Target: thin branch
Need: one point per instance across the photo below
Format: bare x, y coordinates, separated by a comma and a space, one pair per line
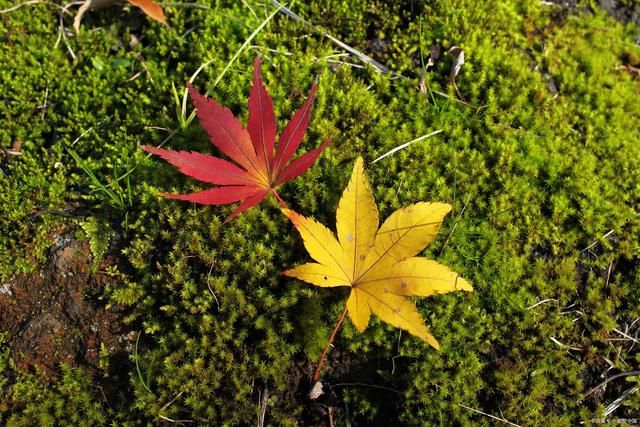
26, 3
362, 56
79, 14
379, 387
611, 378
226, 68
489, 415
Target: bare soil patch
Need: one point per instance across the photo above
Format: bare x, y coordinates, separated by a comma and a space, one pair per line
54, 315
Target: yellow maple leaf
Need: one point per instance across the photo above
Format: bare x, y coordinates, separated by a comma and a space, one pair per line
378, 264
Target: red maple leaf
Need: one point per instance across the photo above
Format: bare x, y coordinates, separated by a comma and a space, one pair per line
258, 170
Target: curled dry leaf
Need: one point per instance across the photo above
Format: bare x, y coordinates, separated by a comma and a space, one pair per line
379, 265
633, 71
259, 165
152, 9
149, 7
434, 57
16, 148
458, 53
316, 391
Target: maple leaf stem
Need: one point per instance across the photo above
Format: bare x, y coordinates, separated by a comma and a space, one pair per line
282, 202
326, 349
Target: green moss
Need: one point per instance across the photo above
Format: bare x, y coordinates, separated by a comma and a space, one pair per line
27, 399
540, 163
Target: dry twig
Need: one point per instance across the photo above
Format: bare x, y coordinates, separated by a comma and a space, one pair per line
611, 378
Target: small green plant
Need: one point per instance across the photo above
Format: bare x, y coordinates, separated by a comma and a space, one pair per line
99, 234
120, 198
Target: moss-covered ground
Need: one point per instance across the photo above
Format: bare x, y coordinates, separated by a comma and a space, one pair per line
541, 163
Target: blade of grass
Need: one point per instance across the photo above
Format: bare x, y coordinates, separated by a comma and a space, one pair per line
226, 68
130, 171
117, 200
129, 192
136, 357
362, 56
